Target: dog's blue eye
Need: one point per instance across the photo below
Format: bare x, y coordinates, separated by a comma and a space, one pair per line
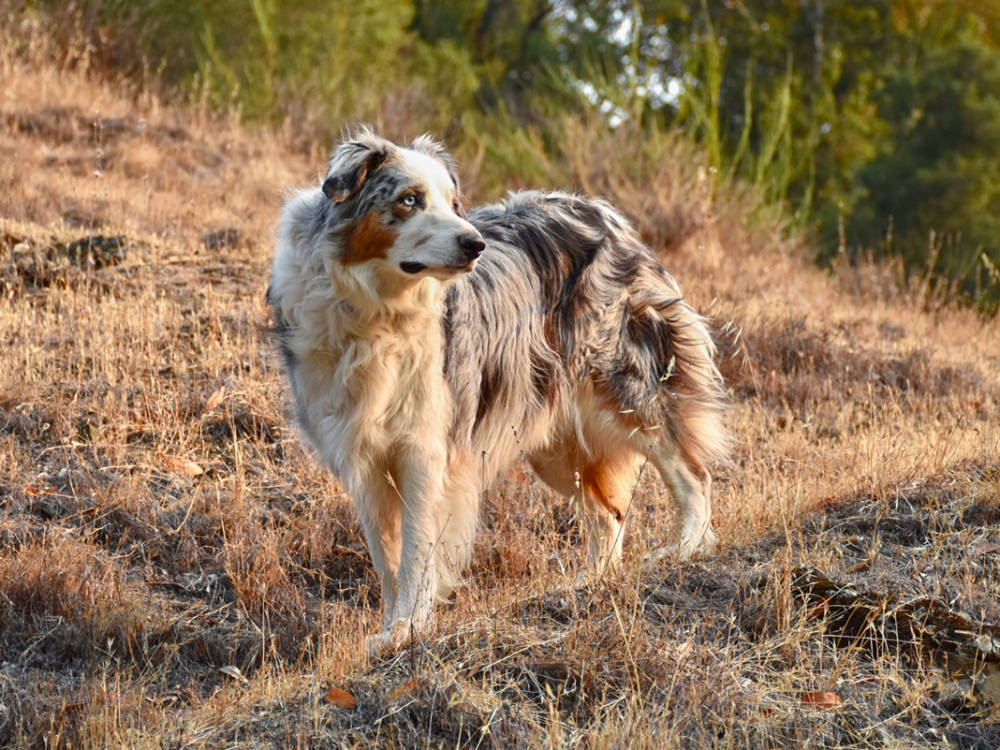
409, 200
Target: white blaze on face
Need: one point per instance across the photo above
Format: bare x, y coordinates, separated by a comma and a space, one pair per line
430, 235
433, 176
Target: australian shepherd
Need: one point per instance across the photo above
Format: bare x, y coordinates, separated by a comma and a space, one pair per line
428, 348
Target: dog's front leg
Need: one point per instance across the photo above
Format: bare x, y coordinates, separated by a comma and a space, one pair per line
378, 507
420, 479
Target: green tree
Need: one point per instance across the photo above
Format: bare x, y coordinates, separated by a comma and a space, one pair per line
875, 121
937, 167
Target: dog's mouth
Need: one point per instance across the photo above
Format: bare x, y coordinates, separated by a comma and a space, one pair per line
412, 267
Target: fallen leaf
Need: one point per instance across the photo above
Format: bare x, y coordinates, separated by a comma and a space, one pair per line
818, 609
181, 465
340, 698
829, 503
822, 699
985, 549
765, 713
215, 399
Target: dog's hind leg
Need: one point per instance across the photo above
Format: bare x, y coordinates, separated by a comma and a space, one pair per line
690, 486
606, 490
603, 488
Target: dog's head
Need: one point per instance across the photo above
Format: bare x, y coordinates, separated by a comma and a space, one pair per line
400, 207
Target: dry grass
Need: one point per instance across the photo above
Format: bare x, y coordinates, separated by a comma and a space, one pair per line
176, 571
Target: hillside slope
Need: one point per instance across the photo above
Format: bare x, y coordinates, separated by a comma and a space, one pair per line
176, 571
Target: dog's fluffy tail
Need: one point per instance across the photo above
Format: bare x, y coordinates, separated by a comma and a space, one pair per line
685, 392
699, 428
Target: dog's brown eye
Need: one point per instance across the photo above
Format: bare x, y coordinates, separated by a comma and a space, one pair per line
456, 208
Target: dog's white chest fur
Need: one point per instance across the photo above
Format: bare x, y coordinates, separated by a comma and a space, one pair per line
372, 388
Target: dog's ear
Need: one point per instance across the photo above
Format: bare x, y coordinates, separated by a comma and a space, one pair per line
427, 145
352, 163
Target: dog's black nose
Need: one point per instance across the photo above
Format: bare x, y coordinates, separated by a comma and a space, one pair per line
472, 245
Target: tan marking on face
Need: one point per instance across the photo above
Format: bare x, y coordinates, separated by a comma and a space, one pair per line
367, 239
457, 204
400, 211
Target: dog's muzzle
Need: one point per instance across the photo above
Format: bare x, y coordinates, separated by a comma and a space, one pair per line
471, 245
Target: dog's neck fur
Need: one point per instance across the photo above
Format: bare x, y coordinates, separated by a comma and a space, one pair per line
386, 353
376, 298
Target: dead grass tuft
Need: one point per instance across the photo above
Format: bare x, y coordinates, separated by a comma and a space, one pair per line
801, 362
64, 600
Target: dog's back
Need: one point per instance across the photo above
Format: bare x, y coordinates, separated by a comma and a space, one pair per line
568, 312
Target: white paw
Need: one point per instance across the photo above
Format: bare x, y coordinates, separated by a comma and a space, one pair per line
696, 541
685, 549
708, 542
658, 555
396, 635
